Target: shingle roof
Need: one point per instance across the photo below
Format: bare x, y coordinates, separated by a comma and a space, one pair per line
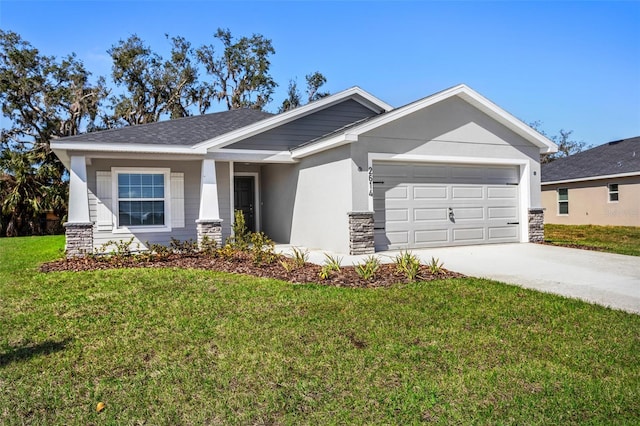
612, 158
182, 131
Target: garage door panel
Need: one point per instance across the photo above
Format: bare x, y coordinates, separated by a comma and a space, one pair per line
421, 192
466, 192
397, 238
431, 236
398, 193
468, 213
503, 232
474, 235
412, 204
398, 215
502, 192
510, 213
430, 214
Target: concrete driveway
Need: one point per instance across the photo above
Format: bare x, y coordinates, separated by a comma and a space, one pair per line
603, 278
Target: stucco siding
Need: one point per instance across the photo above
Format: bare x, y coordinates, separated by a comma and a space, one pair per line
306, 128
589, 203
452, 128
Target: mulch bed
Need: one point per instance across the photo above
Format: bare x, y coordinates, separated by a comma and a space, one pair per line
571, 245
241, 263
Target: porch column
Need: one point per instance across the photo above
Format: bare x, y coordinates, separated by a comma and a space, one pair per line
78, 228
209, 223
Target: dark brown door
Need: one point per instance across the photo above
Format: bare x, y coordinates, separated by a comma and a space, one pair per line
244, 197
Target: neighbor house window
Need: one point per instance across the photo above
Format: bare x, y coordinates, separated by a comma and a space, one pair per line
563, 201
141, 199
614, 195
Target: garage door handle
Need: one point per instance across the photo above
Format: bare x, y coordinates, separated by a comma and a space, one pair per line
513, 223
375, 229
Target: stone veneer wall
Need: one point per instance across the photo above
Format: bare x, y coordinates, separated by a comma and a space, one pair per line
536, 225
361, 233
212, 229
79, 239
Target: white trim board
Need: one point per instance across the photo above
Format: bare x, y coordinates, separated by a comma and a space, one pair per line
590, 178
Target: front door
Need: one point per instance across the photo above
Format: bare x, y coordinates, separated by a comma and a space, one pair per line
244, 197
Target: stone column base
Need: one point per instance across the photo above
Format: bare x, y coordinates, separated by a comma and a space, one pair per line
536, 225
361, 233
212, 229
79, 239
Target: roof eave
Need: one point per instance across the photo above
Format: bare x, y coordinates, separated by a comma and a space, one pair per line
590, 178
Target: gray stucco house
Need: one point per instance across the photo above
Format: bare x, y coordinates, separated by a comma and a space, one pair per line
347, 173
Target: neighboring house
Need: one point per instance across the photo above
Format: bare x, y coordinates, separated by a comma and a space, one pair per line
347, 173
599, 186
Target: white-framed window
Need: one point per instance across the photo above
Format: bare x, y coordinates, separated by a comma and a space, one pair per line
614, 195
563, 201
142, 199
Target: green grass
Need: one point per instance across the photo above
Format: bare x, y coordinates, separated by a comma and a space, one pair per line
196, 347
612, 239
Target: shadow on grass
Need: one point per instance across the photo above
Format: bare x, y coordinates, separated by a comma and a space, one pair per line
28, 352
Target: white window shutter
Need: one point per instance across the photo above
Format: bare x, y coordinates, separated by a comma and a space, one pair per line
104, 220
177, 200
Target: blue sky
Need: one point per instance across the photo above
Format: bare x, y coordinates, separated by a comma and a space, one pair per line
571, 65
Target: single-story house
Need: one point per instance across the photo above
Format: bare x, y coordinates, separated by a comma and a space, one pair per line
598, 186
347, 173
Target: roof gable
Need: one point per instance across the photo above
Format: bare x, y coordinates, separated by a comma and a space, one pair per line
355, 93
609, 159
463, 92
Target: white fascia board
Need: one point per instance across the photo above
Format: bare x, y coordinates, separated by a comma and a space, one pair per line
333, 142
111, 147
355, 93
250, 155
465, 93
590, 178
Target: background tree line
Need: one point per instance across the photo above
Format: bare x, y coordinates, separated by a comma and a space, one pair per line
44, 98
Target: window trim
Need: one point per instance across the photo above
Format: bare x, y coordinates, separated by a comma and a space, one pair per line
610, 192
559, 201
117, 228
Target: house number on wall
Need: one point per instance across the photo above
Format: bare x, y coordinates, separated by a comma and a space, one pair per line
370, 181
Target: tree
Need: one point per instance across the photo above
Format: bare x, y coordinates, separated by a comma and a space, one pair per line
154, 87
43, 99
566, 145
241, 72
314, 82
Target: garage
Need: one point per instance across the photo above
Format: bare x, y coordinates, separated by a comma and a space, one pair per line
418, 205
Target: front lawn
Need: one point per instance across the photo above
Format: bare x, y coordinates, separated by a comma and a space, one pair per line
612, 239
180, 346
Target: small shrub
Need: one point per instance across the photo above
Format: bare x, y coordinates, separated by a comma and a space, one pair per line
158, 251
208, 246
435, 266
188, 247
331, 264
227, 252
367, 270
408, 264
262, 248
300, 257
286, 265
240, 238
121, 248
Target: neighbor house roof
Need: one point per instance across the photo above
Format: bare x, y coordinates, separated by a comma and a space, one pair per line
613, 159
186, 131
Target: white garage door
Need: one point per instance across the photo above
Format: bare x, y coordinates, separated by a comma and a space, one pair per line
432, 205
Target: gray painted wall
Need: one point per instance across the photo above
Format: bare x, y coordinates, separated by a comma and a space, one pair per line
307, 128
306, 204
